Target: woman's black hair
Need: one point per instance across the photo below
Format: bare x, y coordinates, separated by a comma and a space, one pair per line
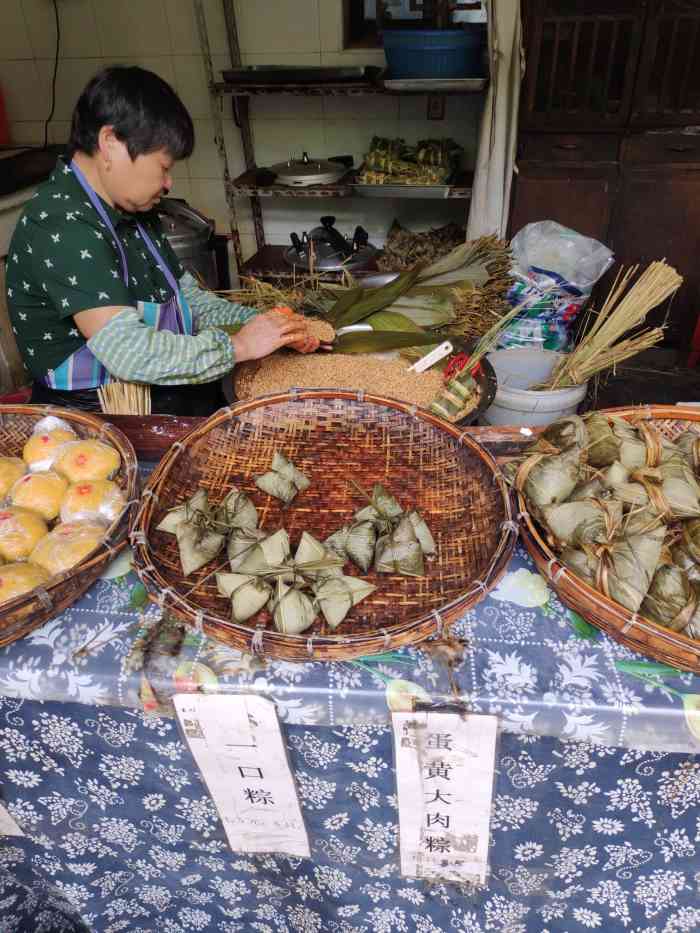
146, 113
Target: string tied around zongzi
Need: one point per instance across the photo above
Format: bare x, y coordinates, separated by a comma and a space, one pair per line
653, 444
652, 479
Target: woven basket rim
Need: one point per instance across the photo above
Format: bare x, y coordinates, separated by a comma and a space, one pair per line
165, 596
116, 535
625, 620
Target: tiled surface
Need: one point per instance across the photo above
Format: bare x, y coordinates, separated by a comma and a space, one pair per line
161, 35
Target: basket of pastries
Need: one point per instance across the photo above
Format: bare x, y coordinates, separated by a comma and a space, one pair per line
67, 483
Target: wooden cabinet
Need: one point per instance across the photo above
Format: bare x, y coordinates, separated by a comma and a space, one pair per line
657, 215
576, 196
609, 89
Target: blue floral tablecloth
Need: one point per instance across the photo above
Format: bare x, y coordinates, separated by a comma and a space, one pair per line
597, 808
525, 656
121, 829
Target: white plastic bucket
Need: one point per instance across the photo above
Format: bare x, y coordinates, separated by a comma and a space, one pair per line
515, 402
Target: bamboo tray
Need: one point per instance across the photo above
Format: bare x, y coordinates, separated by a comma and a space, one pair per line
332, 435
632, 630
25, 613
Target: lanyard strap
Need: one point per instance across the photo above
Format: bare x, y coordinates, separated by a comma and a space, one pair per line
151, 246
99, 207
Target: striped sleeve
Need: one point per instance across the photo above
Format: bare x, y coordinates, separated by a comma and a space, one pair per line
209, 309
134, 352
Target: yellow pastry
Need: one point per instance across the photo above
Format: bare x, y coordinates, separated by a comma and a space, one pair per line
40, 492
17, 579
20, 532
11, 468
84, 461
40, 450
67, 545
100, 499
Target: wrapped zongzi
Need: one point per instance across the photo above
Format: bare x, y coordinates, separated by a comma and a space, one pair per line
293, 612
236, 511
546, 480
588, 521
689, 445
603, 445
248, 594
241, 542
356, 542
197, 503
671, 601
336, 596
283, 480
268, 555
399, 551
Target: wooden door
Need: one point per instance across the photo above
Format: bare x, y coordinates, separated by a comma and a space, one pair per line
657, 217
581, 61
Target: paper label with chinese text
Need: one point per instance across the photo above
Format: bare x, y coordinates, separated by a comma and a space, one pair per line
238, 746
445, 771
8, 827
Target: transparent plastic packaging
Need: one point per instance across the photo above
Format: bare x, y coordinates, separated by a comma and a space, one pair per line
87, 461
67, 545
98, 500
42, 493
20, 532
47, 438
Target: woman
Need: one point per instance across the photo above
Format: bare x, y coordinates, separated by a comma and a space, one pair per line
94, 290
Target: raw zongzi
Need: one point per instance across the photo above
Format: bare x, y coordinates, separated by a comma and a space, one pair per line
337, 595
241, 542
603, 445
197, 545
197, 503
248, 594
236, 511
546, 480
268, 555
293, 612
671, 601
399, 551
283, 480
588, 521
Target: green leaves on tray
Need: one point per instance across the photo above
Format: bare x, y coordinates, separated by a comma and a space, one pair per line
358, 304
378, 341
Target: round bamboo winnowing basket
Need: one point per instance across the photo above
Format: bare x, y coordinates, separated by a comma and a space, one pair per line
631, 629
25, 613
333, 437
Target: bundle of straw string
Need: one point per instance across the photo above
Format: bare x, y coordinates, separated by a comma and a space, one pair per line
605, 344
125, 398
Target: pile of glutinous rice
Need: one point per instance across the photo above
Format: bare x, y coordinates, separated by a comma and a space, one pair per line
386, 377
620, 504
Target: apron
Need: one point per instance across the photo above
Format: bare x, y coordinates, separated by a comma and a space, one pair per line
82, 370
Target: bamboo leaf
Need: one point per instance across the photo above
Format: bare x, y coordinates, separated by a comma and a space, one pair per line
582, 628
380, 341
374, 299
647, 667
392, 321
139, 596
346, 300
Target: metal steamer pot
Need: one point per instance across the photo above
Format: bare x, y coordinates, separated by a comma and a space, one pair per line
191, 236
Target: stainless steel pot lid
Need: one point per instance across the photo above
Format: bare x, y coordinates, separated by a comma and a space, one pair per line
300, 173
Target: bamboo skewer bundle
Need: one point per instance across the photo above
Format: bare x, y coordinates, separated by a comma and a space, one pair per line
125, 398
605, 345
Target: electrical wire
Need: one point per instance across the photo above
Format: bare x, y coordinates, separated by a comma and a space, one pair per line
55, 72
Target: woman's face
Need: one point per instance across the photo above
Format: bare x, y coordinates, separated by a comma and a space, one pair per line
138, 184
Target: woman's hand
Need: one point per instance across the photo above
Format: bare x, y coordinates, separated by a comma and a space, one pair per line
268, 332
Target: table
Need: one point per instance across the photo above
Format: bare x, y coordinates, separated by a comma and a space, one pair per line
589, 830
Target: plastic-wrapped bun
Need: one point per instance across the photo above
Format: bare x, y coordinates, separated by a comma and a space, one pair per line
20, 532
18, 579
42, 448
11, 468
41, 493
88, 461
67, 545
92, 501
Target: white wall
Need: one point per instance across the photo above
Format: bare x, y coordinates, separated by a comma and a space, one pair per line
161, 35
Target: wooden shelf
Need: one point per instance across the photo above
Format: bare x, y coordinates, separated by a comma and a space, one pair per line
245, 186
355, 88
269, 263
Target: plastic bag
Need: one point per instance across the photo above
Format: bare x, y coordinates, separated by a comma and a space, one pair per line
47, 438
555, 269
67, 545
101, 500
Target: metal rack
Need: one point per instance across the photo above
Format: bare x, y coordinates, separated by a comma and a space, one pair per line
269, 259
